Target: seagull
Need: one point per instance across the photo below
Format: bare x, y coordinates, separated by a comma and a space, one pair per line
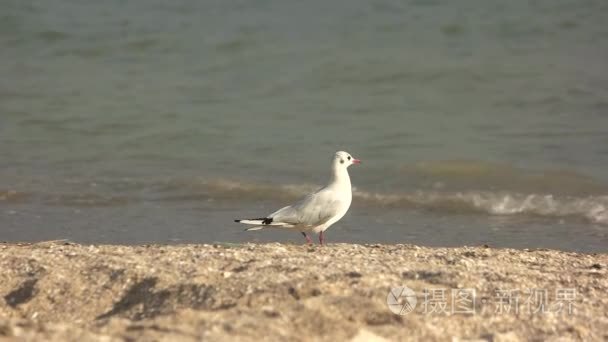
319, 210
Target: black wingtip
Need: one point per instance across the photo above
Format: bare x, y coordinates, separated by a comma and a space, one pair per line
237, 220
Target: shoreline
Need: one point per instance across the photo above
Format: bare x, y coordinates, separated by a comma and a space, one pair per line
58, 290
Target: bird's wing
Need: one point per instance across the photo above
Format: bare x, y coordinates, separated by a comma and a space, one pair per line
313, 210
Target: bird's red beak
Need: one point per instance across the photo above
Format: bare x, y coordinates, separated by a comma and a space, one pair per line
356, 161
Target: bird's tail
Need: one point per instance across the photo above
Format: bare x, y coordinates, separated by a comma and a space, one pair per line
260, 223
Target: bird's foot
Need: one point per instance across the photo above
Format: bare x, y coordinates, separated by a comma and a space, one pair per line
308, 240
321, 238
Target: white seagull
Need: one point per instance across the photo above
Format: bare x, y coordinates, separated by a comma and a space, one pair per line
319, 210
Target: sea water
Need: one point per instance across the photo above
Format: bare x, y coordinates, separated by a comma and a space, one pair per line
478, 122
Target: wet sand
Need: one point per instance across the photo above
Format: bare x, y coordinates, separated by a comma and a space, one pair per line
60, 291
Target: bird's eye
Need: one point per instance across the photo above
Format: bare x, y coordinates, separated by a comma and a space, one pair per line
348, 157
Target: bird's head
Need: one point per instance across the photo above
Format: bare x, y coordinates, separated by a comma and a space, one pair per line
344, 159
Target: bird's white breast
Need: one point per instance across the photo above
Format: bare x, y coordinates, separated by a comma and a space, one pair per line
344, 201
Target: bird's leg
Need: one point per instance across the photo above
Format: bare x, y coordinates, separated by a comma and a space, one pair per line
308, 240
321, 238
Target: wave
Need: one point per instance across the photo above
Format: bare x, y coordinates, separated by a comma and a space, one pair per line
590, 208
482, 175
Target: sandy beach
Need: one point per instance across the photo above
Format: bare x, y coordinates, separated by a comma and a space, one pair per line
62, 291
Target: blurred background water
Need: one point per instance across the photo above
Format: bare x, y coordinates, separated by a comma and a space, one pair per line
154, 121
